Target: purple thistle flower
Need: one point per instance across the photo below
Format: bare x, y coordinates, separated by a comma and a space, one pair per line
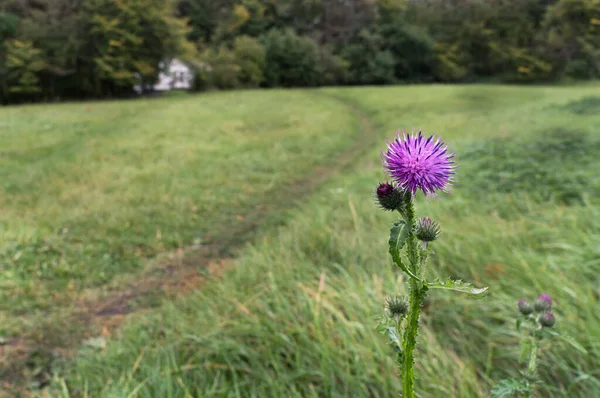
414, 162
546, 298
543, 303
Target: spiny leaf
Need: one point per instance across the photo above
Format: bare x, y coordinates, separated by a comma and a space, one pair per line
525, 350
459, 286
398, 235
567, 339
394, 338
511, 388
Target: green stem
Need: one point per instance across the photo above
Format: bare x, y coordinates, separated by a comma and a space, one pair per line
532, 367
413, 253
424, 255
417, 293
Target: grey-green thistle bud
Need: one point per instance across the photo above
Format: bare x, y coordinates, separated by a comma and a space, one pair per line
524, 307
547, 320
397, 306
390, 198
543, 303
427, 230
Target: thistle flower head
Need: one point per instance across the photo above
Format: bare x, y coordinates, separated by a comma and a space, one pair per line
390, 198
543, 303
547, 320
427, 230
524, 307
397, 306
415, 162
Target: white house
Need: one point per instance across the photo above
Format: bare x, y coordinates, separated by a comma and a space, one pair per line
174, 74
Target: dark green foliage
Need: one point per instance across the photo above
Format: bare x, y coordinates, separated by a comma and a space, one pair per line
101, 48
557, 167
512, 388
572, 37
69, 48
224, 71
8, 25
291, 60
369, 62
413, 51
250, 57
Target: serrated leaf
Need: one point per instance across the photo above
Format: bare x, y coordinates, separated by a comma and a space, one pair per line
525, 350
511, 388
394, 338
567, 339
398, 235
458, 286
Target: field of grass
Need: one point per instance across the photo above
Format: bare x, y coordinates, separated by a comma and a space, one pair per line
98, 197
294, 313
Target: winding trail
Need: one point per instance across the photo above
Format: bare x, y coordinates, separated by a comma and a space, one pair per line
99, 313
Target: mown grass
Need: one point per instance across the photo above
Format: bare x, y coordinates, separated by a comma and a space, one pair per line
94, 191
295, 313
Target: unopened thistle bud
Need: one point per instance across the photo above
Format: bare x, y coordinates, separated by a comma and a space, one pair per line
397, 306
390, 198
543, 303
427, 230
524, 307
547, 320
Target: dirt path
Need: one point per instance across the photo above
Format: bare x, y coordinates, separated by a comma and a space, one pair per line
99, 313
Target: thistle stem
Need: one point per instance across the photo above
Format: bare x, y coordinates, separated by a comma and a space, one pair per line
417, 293
532, 367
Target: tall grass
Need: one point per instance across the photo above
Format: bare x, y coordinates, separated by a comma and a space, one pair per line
294, 315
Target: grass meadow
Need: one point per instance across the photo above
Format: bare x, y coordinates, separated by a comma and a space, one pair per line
262, 202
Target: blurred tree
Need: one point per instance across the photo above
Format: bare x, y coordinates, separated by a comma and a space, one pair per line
572, 36
291, 60
8, 29
250, 57
23, 63
369, 62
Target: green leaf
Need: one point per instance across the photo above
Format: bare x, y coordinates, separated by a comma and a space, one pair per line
394, 338
398, 235
511, 388
459, 286
567, 339
525, 350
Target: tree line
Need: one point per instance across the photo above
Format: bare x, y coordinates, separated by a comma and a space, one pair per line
55, 49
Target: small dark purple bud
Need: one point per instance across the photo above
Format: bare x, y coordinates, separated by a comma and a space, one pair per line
547, 320
427, 230
543, 303
390, 198
524, 307
385, 189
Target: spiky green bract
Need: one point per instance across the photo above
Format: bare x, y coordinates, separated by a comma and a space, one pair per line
397, 306
390, 198
427, 230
